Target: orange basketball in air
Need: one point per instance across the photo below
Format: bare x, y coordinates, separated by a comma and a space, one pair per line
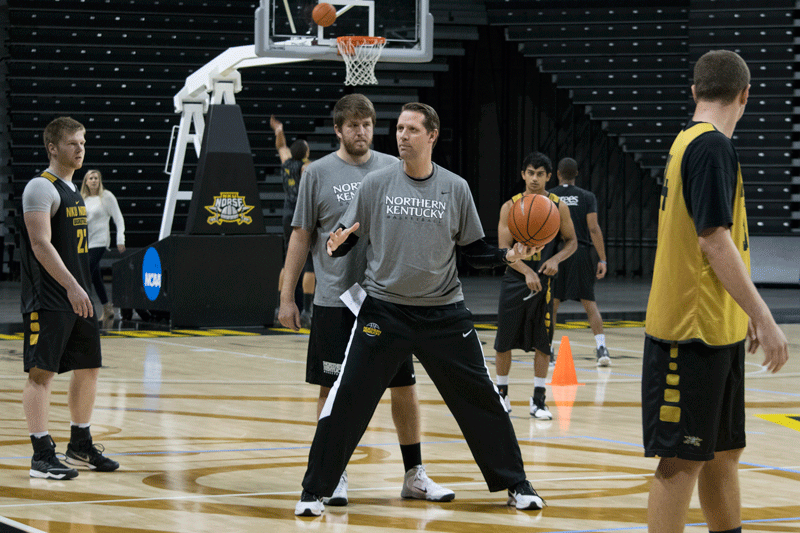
534, 220
324, 14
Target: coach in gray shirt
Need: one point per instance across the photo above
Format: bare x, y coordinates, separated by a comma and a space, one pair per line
413, 214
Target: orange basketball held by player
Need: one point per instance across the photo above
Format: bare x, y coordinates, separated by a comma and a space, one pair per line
534, 220
324, 14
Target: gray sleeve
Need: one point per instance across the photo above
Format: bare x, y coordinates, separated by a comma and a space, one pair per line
470, 228
40, 196
305, 211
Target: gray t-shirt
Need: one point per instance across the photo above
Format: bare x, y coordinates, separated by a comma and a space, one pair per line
327, 187
412, 228
41, 196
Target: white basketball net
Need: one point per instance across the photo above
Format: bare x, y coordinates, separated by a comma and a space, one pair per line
360, 55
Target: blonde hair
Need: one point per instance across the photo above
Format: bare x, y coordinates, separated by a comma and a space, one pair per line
85, 188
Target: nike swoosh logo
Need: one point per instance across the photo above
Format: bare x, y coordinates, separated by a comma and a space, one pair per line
445, 192
467, 333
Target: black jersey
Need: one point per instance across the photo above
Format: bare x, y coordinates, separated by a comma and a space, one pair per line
580, 202
70, 239
291, 170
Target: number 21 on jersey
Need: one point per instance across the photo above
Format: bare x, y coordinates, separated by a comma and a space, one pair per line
83, 242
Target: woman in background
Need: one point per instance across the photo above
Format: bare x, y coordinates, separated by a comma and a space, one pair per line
101, 205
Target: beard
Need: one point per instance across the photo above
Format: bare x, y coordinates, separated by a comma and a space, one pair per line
353, 149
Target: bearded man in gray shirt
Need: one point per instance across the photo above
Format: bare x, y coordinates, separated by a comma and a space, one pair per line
412, 215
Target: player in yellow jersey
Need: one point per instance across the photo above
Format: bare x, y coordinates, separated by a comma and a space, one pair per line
702, 306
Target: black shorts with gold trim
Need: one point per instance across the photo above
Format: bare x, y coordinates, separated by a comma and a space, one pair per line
692, 399
60, 341
524, 318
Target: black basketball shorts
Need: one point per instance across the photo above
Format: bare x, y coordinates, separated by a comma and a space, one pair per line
60, 341
524, 321
692, 399
331, 328
576, 276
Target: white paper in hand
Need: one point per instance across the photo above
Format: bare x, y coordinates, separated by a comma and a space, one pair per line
353, 298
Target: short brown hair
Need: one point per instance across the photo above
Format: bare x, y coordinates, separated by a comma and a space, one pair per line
58, 128
431, 121
353, 106
720, 75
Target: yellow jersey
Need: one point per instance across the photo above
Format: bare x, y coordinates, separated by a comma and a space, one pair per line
687, 301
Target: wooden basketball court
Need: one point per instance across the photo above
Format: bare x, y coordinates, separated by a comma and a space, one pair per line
213, 433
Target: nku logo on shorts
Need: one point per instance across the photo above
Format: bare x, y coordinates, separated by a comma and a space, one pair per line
372, 329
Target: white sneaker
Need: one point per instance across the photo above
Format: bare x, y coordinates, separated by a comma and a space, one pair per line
339, 496
603, 359
540, 411
506, 402
419, 486
524, 497
309, 505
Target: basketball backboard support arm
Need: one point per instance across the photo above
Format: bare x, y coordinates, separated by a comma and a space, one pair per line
216, 82
220, 79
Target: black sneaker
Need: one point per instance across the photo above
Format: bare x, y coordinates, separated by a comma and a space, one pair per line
45, 463
91, 456
523, 496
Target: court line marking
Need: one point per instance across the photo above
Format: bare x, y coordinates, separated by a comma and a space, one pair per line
698, 524
373, 489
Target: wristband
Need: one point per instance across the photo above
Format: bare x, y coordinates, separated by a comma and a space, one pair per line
603, 262
505, 254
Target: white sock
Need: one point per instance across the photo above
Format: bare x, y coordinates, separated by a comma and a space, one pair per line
538, 382
82, 426
502, 380
40, 434
600, 340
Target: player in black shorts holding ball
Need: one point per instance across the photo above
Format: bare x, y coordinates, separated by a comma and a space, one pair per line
577, 274
61, 332
524, 314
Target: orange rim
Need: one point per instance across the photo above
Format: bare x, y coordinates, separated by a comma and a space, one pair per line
349, 42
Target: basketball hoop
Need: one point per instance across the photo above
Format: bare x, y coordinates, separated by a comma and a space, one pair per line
360, 55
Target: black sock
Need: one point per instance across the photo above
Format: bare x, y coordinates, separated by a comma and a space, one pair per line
41, 444
734, 530
79, 435
308, 301
412, 455
503, 390
539, 394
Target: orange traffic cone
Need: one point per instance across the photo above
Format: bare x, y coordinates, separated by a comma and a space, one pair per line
564, 372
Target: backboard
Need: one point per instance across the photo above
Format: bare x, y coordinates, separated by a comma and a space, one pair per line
284, 28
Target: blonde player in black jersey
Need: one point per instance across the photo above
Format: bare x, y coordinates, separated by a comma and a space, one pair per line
525, 312
61, 332
702, 306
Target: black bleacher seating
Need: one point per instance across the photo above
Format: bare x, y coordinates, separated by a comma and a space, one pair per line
116, 67
631, 68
